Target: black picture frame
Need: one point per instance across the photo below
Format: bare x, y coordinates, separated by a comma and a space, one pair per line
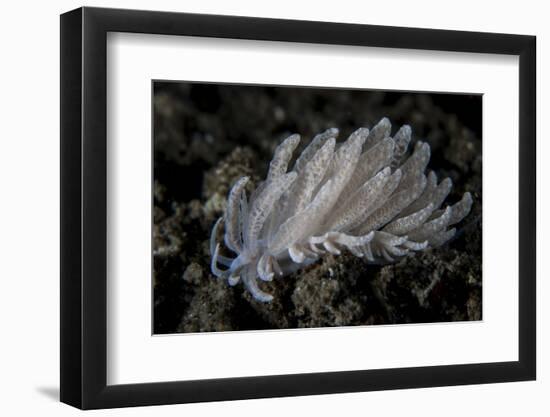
84, 207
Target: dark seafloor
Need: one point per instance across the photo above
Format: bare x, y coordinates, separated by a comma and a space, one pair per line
206, 136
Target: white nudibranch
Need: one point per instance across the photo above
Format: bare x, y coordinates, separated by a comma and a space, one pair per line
363, 195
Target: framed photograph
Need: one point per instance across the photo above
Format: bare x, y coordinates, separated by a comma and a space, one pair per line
257, 208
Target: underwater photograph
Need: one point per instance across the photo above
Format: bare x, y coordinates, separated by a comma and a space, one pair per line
285, 207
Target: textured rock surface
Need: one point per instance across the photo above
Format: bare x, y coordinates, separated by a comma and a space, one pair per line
208, 136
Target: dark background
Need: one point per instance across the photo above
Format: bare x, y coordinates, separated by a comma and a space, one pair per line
206, 136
